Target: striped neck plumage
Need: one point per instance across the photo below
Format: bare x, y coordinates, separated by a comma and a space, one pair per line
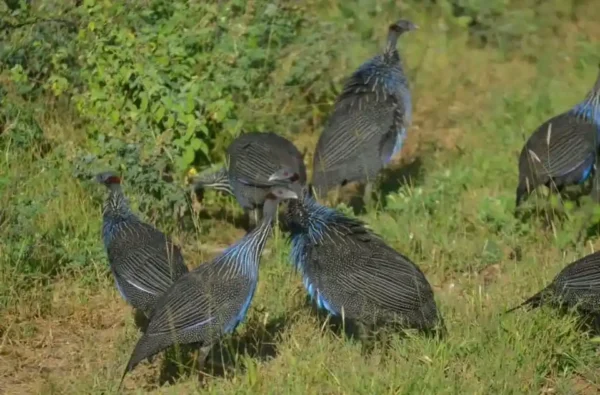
313, 219
116, 205
589, 108
243, 257
223, 187
218, 180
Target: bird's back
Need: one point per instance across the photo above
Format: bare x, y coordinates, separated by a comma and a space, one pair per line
253, 158
578, 284
200, 307
366, 126
144, 261
353, 271
562, 149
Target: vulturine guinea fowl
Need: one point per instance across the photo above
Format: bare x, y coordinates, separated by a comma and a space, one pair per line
213, 179
577, 285
253, 157
144, 262
563, 150
369, 121
351, 272
213, 299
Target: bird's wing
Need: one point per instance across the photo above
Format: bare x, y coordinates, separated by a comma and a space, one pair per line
151, 263
560, 146
581, 275
389, 280
357, 122
392, 140
253, 167
188, 304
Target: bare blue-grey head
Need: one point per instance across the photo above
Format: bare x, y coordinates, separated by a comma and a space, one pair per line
396, 30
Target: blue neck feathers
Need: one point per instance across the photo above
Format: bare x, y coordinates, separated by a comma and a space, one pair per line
243, 257
116, 205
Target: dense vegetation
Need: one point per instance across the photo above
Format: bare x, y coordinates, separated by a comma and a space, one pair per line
155, 88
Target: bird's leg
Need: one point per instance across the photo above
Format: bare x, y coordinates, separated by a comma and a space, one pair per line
368, 338
203, 352
253, 218
596, 187
336, 195
368, 194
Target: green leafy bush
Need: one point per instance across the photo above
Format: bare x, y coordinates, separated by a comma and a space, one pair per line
38, 51
160, 86
510, 24
178, 68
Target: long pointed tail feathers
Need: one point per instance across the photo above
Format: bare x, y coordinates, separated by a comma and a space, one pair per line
533, 302
140, 352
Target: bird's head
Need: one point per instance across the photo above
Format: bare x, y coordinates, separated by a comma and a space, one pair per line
279, 193
108, 178
402, 26
284, 175
276, 195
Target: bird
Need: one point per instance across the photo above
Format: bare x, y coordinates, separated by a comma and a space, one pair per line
213, 179
211, 300
350, 272
143, 261
369, 121
562, 151
253, 157
576, 286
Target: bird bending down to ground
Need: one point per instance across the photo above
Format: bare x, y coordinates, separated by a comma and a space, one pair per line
563, 150
253, 157
369, 121
576, 286
350, 272
143, 261
213, 299
213, 179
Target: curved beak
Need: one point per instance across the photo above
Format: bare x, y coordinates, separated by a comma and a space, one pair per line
285, 193
281, 175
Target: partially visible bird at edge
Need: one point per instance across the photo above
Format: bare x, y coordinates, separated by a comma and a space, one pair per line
213, 299
253, 157
563, 150
350, 272
369, 121
143, 261
576, 286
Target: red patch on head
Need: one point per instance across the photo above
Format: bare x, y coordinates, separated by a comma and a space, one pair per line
113, 180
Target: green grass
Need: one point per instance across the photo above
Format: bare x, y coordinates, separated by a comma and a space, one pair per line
64, 328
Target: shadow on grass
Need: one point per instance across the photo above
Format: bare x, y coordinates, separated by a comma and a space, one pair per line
140, 320
374, 336
258, 341
542, 206
239, 220
546, 213
394, 178
390, 180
